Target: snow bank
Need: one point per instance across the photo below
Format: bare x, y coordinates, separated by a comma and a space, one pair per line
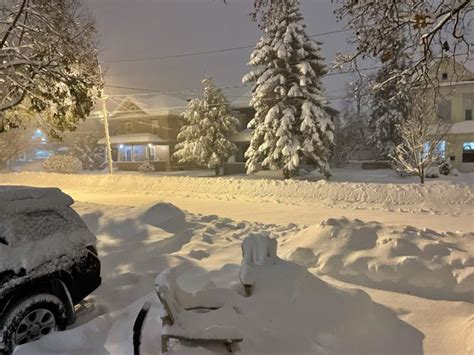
402, 259
433, 196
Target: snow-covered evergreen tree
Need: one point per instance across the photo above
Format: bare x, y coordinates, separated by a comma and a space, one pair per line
390, 102
88, 151
291, 123
204, 139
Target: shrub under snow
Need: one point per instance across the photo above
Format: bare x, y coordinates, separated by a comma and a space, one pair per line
63, 164
146, 167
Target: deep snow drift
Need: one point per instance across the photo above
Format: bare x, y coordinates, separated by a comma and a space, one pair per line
291, 311
403, 259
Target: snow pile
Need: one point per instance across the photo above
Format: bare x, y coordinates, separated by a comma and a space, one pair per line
434, 196
290, 312
37, 226
256, 250
402, 259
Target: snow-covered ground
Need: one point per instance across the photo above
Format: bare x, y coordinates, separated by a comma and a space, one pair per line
415, 263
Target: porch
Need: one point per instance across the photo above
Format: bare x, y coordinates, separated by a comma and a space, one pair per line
132, 150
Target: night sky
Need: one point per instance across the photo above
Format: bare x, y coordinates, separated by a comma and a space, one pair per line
135, 29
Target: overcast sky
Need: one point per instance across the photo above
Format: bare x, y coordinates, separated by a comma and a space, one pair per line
134, 29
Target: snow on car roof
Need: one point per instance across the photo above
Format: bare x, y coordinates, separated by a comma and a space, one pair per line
18, 199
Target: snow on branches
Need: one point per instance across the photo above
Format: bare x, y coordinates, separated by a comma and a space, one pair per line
48, 63
291, 123
422, 134
209, 124
14, 142
422, 30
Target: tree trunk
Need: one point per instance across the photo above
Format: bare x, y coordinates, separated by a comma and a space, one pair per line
217, 170
286, 174
422, 175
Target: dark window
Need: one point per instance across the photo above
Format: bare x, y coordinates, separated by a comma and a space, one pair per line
444, 76
468, 115
444, 110
468, 152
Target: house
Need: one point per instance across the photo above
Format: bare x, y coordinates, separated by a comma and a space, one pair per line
145, 128
456, 107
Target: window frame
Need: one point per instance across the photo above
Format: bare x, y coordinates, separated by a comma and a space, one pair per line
467, 155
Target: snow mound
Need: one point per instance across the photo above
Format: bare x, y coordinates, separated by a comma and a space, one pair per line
161, 215
290, 312
402, 259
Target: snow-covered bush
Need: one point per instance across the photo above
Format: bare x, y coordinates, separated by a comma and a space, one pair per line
146, 167
63, 164
432, 172
445, 167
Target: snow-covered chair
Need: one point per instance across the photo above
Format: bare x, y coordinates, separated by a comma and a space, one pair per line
198, 317
256, 250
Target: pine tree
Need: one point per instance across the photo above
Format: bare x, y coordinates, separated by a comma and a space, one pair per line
204, 138
88, 151
390, 102
291, 123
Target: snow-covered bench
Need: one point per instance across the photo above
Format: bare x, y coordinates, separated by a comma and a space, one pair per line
198, 317
256, 250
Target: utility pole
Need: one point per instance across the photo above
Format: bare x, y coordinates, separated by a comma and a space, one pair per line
105, 115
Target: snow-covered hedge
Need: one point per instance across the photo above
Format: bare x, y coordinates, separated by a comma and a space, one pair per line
63, 164
146, 167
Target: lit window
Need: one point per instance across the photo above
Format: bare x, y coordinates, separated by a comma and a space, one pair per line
468, 152
440, 150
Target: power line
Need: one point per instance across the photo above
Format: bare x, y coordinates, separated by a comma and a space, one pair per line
215, 51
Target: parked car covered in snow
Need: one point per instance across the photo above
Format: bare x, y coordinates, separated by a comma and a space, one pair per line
48, 263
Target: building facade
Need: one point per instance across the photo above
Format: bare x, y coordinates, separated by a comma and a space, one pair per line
145, 129
456, 107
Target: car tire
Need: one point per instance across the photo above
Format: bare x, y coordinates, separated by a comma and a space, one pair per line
31, 318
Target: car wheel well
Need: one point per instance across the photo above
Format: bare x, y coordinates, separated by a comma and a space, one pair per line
53, 286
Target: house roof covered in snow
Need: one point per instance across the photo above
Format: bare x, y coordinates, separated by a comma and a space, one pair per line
242, 136
242, 101
464, 127
134, 138
149, 105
